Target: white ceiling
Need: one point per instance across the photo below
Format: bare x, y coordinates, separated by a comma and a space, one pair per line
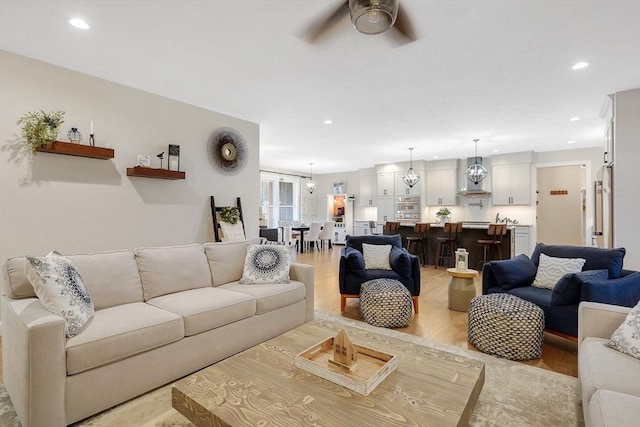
495, 70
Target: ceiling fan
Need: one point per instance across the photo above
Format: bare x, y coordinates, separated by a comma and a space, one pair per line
368, 17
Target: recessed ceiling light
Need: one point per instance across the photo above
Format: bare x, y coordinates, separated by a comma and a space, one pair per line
79, 23
436, 157
574, 119
495, 150
580, 66
571, 142
328, 122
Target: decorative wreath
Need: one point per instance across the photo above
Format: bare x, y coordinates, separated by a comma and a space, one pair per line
227, 150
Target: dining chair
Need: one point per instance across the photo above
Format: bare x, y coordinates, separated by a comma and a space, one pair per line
312, 236
327, 234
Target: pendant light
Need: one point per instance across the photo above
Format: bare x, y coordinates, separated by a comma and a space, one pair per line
311, 184
373, 17
476, 172
411, 178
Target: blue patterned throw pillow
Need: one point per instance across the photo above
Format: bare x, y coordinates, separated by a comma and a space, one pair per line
266, 264
61, 290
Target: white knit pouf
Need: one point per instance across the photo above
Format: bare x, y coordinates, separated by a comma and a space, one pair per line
506, 326
386, 303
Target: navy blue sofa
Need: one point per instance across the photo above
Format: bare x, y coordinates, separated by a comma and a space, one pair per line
352, 274
602, 279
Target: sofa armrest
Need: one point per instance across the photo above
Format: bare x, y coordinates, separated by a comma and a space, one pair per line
624, 291
34, 361
599, 320
488, 279
415, 274
305, 273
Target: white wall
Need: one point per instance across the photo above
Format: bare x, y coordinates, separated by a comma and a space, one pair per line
75, 204
626, 180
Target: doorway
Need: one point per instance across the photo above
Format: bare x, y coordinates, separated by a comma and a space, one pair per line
561, 205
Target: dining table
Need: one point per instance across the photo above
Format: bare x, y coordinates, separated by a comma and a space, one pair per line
301, 229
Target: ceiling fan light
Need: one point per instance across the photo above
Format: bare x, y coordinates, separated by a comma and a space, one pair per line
373, 16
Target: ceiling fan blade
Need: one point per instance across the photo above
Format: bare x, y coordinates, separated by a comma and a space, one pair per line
322, 25
404, 27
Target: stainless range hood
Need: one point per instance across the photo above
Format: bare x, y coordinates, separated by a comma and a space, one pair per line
472, 189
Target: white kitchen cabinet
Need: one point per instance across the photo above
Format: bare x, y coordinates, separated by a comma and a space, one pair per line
386, 209
511, 184
403, 189
367, 194
522, 240
441, 187
386, 183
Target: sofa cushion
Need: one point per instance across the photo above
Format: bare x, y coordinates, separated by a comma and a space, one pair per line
61, 290
355, 261
568, 288
610, 408
14, 280
206, 308
112, 278
172, 269
624, 291
601, 367
551, 269
400, 261
626, 339
270, 297
376, 257
119, 332
513, 273
266, 264
226, 260
595, 258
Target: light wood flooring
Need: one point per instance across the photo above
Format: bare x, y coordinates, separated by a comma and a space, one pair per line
434, 321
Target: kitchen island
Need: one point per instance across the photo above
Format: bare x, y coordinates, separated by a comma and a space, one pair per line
467, 239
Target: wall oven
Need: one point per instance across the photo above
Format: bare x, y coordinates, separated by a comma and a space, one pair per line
408, 209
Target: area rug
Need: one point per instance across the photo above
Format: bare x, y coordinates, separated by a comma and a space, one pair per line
514, 394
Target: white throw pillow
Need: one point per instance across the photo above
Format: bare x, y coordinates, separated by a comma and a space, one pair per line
266, 264
551, 269
376, 257
61, 290
626, 339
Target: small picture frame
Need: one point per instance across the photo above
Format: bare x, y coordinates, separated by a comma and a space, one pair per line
143, 161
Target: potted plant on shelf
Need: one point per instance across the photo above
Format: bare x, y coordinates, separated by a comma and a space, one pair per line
444, 215
41, 128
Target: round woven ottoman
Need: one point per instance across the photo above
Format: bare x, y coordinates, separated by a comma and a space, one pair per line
386, 303
506, 326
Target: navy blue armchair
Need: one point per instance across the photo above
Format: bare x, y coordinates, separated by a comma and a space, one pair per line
602, 279
405, 267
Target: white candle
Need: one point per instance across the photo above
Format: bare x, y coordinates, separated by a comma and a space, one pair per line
91, 133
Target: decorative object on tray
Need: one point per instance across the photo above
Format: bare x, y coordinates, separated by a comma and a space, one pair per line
227, 150
74, 136
462, 259
372, 368
161, 157
173, 163
143, 161
345, 354
41, 128
444, 215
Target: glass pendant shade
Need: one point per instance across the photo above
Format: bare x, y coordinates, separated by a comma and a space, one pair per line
311, 185
373, 17
476, 172
411, 178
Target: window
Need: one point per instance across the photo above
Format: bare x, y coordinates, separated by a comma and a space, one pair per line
279, 198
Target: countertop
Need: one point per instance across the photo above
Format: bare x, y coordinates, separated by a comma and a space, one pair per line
469, 225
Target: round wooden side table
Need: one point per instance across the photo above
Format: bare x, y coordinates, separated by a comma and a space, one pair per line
461, 288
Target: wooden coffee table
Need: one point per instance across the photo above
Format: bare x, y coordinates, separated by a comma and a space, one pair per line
261, 386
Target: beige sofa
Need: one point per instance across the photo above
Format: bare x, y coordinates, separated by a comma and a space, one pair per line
610, 380
160, 314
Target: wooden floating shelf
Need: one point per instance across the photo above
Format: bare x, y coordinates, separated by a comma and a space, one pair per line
155, 173
79, 150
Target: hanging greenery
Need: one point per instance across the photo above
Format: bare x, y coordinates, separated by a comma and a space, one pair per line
229, 214
41, 128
